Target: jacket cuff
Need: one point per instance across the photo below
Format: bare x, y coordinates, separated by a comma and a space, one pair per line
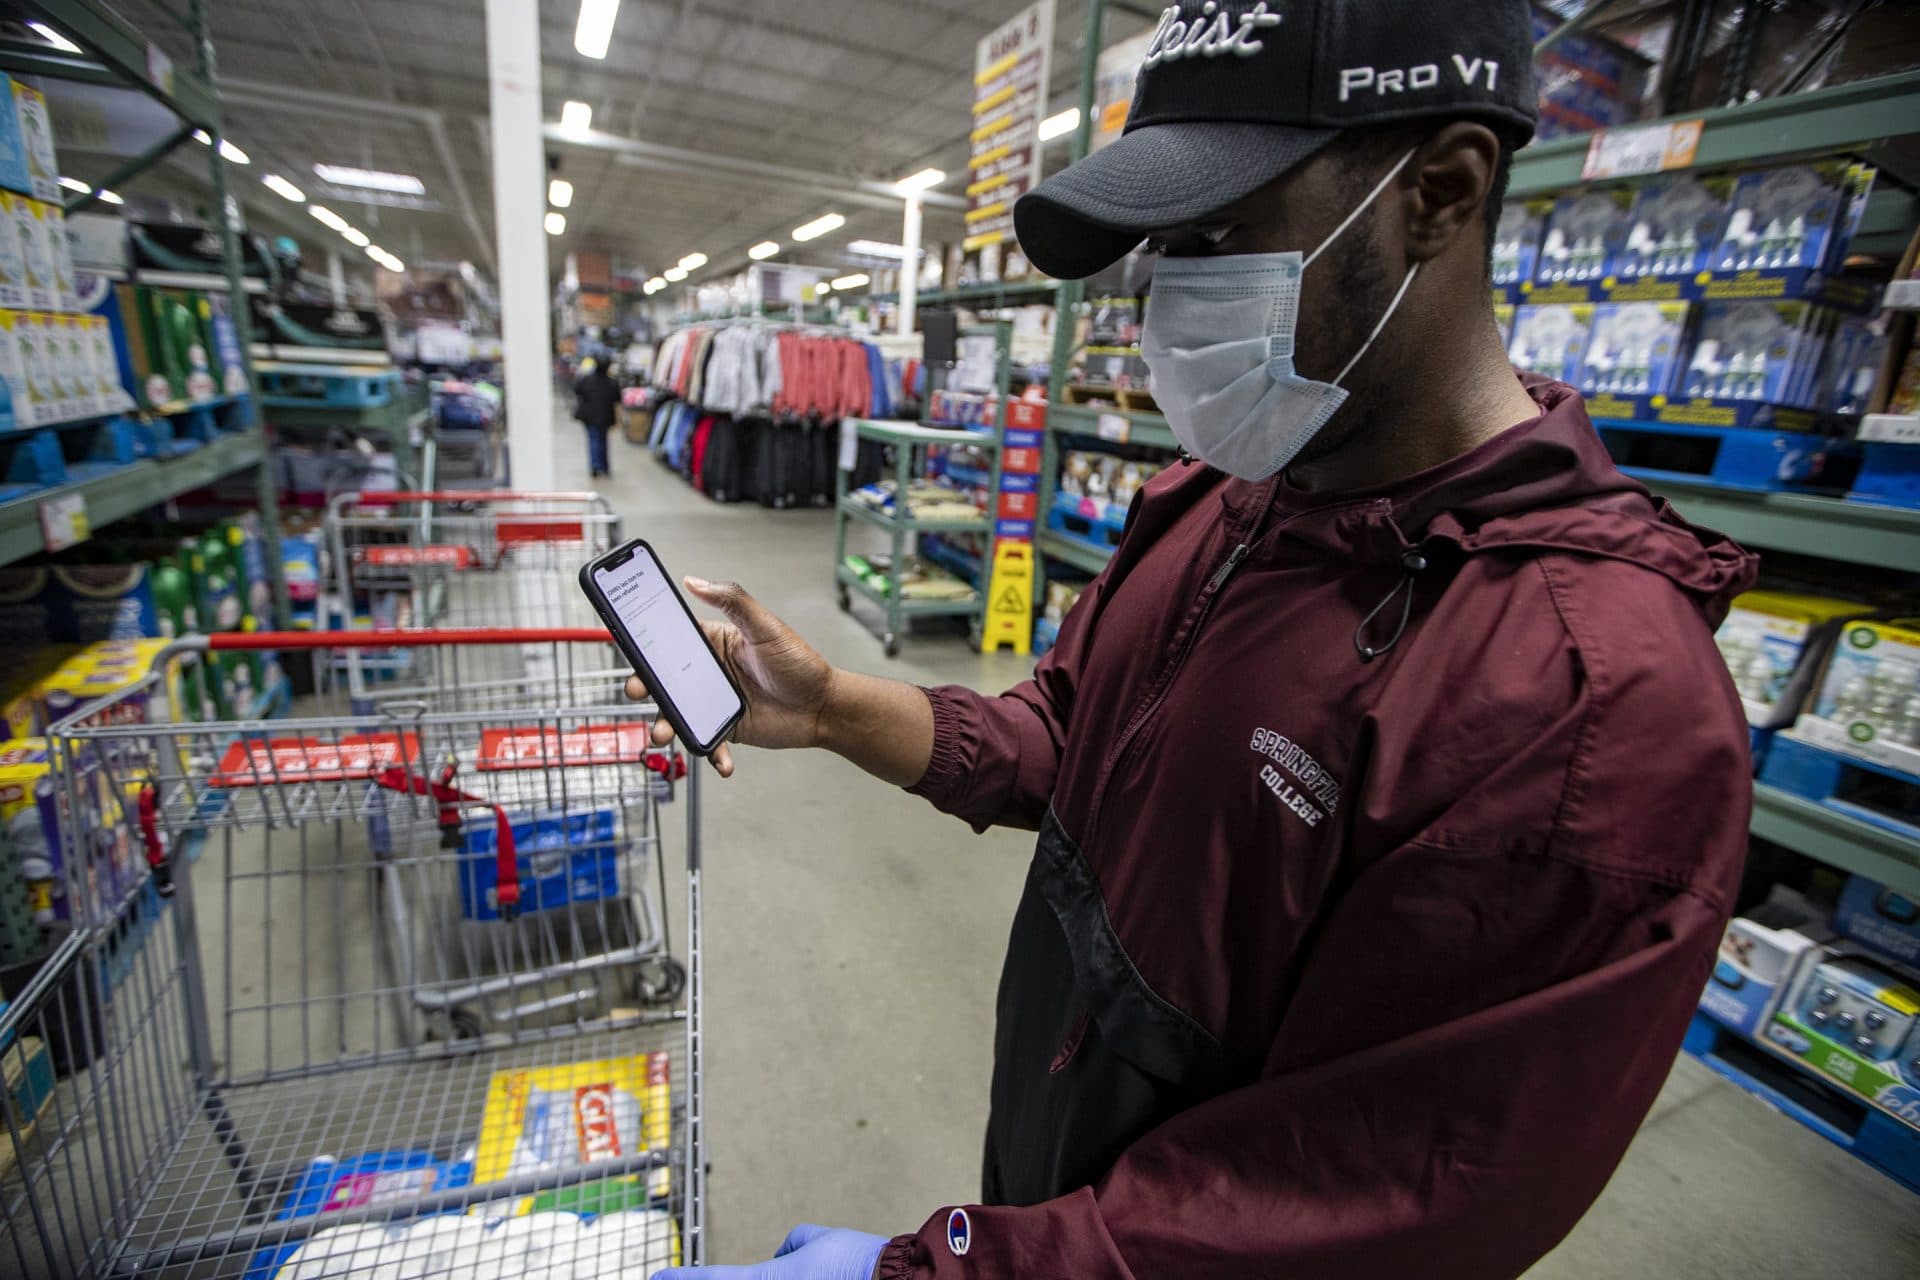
946, 767
896, 1260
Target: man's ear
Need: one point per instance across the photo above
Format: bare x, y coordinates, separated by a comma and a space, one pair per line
1452, 175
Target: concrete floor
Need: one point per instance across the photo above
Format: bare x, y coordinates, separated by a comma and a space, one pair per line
854, 940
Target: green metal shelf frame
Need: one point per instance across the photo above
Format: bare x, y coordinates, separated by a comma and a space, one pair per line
130, 489
1829, 528
1081, 555
117, 54
1018, 290
859, 510
1837, 840
1084, 420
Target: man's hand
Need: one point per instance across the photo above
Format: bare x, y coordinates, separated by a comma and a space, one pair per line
808, 1253
786, 681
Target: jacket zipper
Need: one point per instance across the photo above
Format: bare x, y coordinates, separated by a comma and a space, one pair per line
1208, 595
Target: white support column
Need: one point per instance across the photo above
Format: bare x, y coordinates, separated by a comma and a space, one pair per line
909, 267
519, 195
337, 277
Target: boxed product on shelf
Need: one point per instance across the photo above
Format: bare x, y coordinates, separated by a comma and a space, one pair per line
16, 173
60, 252
1771, 637
20, 709
545, 1119
105, 602
1584, 234
1880, 917
1551, 339
1585, 80
1763, 351
1868, 703
35, 225
29, 811
16, 293
1759, 959
1852, 1017
1677, 222
1796, 216
30, 339
1850, 369
1634, 349
1503, 319
1516, 244
34, 131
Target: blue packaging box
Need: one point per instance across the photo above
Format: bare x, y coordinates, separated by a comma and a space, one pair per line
562, 857
1887, 921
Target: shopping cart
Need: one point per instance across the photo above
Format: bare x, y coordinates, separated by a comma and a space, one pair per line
458, 558
466, 437
239, 1091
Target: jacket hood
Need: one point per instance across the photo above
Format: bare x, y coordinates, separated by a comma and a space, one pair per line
1545, 485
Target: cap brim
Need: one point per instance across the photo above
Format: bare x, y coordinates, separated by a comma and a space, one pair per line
1089, 215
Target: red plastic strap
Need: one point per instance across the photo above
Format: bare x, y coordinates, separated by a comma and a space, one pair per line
670, 765
390, 498
221, 641
449, 797
156, 849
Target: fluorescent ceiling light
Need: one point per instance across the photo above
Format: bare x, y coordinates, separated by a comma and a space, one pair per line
694, 261
54, 38
653, 286
595, 29
356, 237
823, 286
284, 189
1064, 123
74, 184
341, 175
819, 227
658, 282
674, 275
762, 251
327, 217
853, 281
879, 249
556, 223
234, 154
925, 180
576, 117
111, 197
202, 137
559, 193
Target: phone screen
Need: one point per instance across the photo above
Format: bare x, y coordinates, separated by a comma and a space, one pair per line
651, 614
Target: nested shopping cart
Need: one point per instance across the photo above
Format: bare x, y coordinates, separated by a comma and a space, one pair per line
237, 1083
459, 558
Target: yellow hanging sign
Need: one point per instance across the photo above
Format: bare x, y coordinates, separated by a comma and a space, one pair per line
1010, 599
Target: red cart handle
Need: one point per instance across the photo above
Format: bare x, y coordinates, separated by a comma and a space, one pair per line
223, 641
450, 797
156, 848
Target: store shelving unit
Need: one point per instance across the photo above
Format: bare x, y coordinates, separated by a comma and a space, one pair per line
118, 55
974, 295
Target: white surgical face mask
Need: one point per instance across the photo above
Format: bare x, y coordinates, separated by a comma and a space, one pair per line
1218, 340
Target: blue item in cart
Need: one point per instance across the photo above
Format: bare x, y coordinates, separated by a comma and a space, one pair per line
380, 1177
562, 858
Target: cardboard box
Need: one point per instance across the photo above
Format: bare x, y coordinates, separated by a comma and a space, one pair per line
36, 141
1868, 704
13, 372
1635, 348
1755, 968
14, 172
1516, 245
1887, 921
29, 810
66, 298
1852, 1017
1552, 340
36, 250
1771, 637
1678, 221
33, 343
1585, 234
15, 293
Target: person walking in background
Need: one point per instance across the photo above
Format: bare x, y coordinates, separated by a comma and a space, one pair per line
595, 400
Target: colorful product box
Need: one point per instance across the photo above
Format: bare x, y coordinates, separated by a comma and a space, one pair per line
15, 175
1851, 365
35, 226
29, 810
1755, 967
1551, 340
30, 342
1516, 244
1887, 921
35, 128
1868, 704
548, 1119
107, 602
20, 709
1584, 234
1853, 1018
1503, 319
562, 859
1768, 638
1788, 218
60, 250
1635, 348
1760, 351
13, 371
15, 292
1678, 220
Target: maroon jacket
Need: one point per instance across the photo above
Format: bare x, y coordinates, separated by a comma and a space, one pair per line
1332, 967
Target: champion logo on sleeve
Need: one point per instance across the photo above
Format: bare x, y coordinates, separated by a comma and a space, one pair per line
959, 1233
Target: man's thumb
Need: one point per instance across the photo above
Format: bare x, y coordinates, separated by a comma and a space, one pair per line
732, 599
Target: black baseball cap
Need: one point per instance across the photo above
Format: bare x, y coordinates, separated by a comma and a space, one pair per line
1232, 95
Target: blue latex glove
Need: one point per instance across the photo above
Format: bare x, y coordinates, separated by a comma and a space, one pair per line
808, 1253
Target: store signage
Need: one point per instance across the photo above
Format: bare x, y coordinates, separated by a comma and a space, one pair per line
1010, 599
285, 761
1642, 149
502, 749
1113, 87
1010, 81
63, 521
410, 557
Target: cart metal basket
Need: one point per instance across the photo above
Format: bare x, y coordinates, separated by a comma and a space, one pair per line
234, 1077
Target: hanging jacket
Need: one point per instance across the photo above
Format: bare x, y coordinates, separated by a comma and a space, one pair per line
1386, 842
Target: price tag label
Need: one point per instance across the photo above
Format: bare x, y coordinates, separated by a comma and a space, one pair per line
1111, 426
63, 521
159, 68
1890, 428
1634, 152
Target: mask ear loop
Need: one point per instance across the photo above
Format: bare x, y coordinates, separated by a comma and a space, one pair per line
1378, 329
1359, 209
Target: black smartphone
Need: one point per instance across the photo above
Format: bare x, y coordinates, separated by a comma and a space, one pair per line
653, 626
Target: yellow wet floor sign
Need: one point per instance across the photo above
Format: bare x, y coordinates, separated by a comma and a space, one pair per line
1010, 599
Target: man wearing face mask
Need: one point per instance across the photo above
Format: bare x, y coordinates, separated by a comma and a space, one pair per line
1391, 792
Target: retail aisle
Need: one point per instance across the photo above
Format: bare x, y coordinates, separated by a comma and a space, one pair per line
854, 941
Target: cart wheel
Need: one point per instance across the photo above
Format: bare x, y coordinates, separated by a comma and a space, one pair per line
846, 601
659, 980
466, 1024
893, 645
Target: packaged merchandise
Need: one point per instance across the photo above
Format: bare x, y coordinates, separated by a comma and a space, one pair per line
106, 602
15, 173
1869, 698
60, 253
1770, 636
1635, 348
1503, 318
15, 291
1850, 367
1584, 233
1887, 921
1677, 221
545, 1245
1905, 396
1586, 81
1758, 960
1754, 351
19, 397
114, 397
72, 357
331, 1185
33, 344
1789, 217
100, 670
29, 811
20, 707
1551, 340
34, 223
1853, 1017
549, 1118
1516, 244
35, 132
225, 340
563, 858
1061, 597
